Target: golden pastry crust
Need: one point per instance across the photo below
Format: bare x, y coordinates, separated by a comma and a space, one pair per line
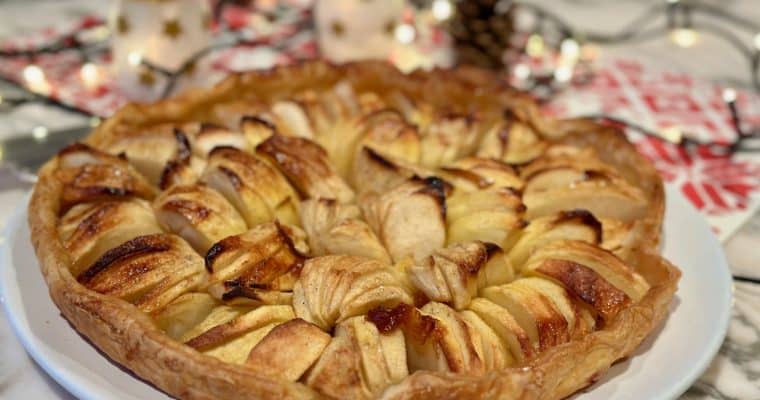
133, 340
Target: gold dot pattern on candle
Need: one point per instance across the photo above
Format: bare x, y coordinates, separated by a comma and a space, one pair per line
337, 28
147, 78
122, 25
172, 28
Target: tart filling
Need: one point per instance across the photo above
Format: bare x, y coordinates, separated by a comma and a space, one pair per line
360, 238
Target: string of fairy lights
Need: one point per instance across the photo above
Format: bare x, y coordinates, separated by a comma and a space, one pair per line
548, 35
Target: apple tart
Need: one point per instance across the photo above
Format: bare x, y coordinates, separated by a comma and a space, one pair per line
353, 232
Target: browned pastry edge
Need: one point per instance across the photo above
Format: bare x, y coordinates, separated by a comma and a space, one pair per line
130, 338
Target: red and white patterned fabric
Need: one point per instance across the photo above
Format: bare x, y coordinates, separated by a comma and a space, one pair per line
725, 189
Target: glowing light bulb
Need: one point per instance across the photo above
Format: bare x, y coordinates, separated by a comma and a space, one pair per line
442, 9
405, 33
570, 48
729, 95
33, 74
684, 37
535, 45
39, 132
90, 76
35, 79
672, 134
521, 72
134, 58
563, 74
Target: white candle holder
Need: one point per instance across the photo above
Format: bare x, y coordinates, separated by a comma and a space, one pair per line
163, 33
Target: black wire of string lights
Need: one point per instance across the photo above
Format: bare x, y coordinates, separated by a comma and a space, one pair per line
680, 23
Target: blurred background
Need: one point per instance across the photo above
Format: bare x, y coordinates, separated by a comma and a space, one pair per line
680, 76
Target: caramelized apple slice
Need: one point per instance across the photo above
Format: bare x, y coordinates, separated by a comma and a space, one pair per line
289, 349
460, 342
233, 340
447, 138
149, 151
592, 274
388, 134
306, 165
256, 189
495, 354
291, 119
199, 214
256, 129
334, 288
493, 216
474, 173
453, 275
598, 196
506, 327
377, 173
148, 271
360, 361
545, 325
437, 337
266, 258
181, 171
89, 175
513, 142
409, 220
566, 225
184, 313
89, 230
335, 228
211, 136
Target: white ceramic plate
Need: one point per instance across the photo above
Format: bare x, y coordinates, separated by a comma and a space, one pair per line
666, 364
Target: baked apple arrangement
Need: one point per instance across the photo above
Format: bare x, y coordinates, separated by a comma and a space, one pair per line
354, 232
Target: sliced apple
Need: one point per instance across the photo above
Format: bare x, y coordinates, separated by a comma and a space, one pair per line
291, 119
453, 275
495, 354
334, 288
566, 225
149, 151
257, 264
306, 165
360, 362
256, 189
199, 214
409, 219
88, 230
476, 173
211, 136
513, 142
240, 325
184, 313
146, 270
335, 228
256, 129
289, 349
506, 327
446, 138
460, 342
89, 175
594, 275
388, 134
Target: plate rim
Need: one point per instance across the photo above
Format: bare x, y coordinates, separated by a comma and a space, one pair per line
84, 389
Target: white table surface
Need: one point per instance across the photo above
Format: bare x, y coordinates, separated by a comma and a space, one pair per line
735, 372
